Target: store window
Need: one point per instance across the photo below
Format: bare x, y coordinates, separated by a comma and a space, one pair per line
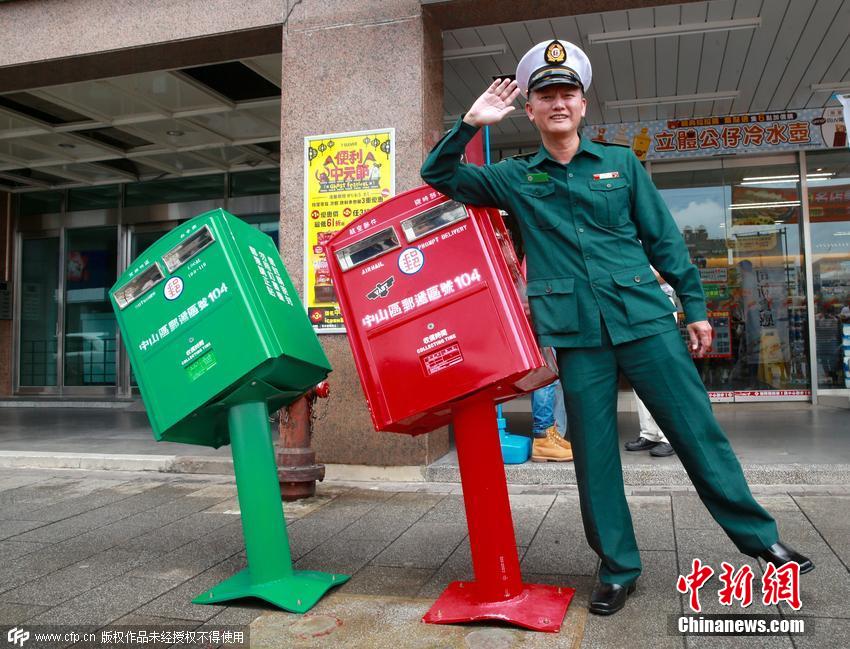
174, 190
741, 223
255, 183
828, 177
31, 203
94, 198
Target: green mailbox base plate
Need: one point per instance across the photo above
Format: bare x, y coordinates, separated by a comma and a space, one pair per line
297, 592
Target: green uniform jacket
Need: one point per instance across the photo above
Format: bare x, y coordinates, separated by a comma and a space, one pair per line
590, 230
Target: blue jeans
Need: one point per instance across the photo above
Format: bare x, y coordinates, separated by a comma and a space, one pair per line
547, 408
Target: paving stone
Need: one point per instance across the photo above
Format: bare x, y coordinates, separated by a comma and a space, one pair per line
775, 503
34, 565
15, 478
824, 592
102, 516
829, 511
752, 641
423, 545
695, 543
137, 620
177, 602
10, 550
64, 584
658, 578
79, 504
176, 534
824, 633
689, 512
449, 511
346, 621
238, 615
563, 515
307, 534
628, 629
566, 553
528, 512
386, 580
392, 518
14, 614
339, 555
106, 603
652, 518
457, 567
836, 537
196, 557
12, 528
33, 495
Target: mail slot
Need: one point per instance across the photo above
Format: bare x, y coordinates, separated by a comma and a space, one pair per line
430, 293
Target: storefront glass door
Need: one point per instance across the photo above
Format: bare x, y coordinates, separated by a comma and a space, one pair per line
741, 220
828, 177
38, 341
90, 331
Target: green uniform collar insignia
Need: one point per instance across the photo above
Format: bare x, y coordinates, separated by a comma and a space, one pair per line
586, 145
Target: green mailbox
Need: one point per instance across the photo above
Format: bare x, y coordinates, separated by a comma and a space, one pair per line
209, 311
217, 337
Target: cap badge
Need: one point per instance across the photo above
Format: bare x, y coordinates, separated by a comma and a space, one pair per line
555, 53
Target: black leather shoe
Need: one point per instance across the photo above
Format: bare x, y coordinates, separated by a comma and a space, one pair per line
609, 598
640, 444
779, 554
662, 450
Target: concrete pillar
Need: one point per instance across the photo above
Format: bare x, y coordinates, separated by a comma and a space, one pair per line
349, 66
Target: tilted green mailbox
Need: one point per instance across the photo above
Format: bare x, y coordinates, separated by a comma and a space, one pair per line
217, 338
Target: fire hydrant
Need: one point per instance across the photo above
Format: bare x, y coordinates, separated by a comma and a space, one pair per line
297, 469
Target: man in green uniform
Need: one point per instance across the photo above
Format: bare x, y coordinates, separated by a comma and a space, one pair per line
592, 222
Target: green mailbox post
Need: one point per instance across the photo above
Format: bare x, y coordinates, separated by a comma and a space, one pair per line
217, 338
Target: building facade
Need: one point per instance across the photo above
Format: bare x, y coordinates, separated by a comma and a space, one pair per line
118, 121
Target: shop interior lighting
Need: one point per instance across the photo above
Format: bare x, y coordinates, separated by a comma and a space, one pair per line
473, 52
674, 30
835, 86
790, 179
754, 206
672, 99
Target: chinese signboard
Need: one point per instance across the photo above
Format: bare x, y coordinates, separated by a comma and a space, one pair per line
821, 128
345, 174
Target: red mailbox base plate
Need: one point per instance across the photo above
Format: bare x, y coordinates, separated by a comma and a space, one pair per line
537, 607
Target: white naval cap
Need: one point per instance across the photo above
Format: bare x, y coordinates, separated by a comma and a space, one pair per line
553, 62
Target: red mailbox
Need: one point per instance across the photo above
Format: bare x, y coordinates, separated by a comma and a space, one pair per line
429, 290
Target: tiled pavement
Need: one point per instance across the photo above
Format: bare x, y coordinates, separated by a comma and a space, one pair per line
99, 548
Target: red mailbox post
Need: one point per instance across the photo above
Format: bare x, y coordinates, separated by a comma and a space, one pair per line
429, 292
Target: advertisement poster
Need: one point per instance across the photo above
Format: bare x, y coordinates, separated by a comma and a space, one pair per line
810, 128
345, 174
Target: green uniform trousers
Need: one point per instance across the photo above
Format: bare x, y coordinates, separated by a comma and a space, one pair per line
664, 377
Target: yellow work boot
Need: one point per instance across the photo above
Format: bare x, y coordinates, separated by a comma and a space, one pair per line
553, 434
546, 449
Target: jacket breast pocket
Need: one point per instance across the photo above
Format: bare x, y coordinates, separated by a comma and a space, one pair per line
540, 203
642, 295
611, 201
554, 308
